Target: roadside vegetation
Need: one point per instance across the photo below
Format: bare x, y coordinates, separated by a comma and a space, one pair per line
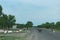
52, 25
6, 24
8, 21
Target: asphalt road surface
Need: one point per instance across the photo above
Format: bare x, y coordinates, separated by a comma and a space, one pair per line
45, 34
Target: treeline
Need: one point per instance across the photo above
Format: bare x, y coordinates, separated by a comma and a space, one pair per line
29, 24
50, 25
8, 21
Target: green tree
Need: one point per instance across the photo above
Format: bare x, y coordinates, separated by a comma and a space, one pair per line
41, 26
20, 26
57, 26
0, 10
52, 25
47, 25
29, 24
7, 21
3, 20
11, 21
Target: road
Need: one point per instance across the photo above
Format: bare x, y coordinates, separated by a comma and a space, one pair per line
44, 35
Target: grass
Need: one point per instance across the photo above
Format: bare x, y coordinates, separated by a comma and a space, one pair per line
13, 36
58, 30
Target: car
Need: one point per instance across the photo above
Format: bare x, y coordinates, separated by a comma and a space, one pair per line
39, 30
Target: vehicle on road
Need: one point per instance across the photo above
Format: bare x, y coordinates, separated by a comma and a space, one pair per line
39, 30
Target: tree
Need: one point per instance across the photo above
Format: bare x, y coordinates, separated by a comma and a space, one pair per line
41, 26
52, 25
1, 17
11, 21
3, 21
29, 24
57, 26
20, 26
47, 25
0, 10
7, 21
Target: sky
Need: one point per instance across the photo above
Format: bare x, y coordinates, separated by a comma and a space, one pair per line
37, 11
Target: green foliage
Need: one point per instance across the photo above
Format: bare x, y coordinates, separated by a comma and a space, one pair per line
41, 26
3, 21
29, 24
20, 26
57, 26
7, 21
11, 21
47, 25
0, 10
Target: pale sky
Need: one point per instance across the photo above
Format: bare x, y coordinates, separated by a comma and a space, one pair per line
37, 11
